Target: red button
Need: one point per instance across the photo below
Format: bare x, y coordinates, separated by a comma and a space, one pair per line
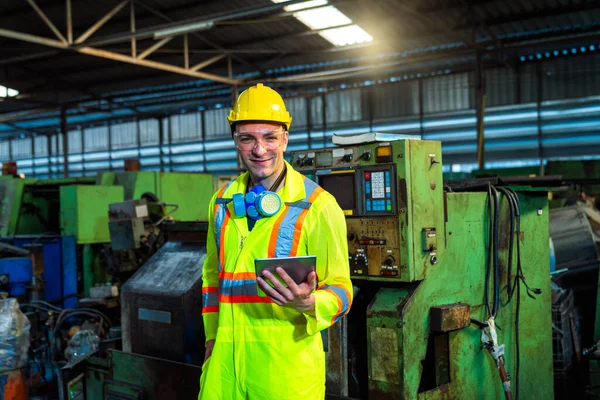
367, 175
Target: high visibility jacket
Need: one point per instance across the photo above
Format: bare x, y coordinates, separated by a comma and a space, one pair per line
264, 351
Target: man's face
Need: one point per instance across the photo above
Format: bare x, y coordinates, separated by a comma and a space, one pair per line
261, 147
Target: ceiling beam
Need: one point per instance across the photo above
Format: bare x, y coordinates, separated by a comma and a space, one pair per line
166, 18
49, 23
100, 23
114, 56
150, 31
20, 129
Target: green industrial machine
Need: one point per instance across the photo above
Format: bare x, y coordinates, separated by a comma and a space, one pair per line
78, 207
84, 210
191, 192
31, 206
422, 258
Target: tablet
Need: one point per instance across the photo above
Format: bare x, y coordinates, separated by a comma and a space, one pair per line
297, 268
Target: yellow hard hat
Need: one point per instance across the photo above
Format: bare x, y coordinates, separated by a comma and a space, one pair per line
259, 103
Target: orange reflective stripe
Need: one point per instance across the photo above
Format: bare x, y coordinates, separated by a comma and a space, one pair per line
238, 275
209, 309
341, 309
210, 289
298, 232
216, 208
300, 221
275, 233
243, 299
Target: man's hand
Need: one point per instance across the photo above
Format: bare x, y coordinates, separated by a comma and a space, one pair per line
299, 297
209, 348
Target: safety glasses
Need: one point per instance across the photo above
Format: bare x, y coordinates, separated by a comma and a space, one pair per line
268, 141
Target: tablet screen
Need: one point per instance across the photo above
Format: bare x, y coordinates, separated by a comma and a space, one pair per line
297, 268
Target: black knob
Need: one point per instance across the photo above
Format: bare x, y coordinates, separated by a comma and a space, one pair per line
308, 161
433, 260
347, 158
299, 162
389, 260
351, 237
366, 156
361, 259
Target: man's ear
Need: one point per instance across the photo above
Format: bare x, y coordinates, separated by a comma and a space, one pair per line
286, 138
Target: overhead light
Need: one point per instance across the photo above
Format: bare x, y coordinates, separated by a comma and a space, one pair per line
8, 92
183, 29
323, 18
303, 5
346, 35
319, 16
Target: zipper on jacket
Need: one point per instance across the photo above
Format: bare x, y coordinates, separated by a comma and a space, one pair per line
242, 242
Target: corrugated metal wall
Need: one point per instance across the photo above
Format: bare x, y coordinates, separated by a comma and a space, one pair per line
124, 136
393, 100
568, 91
216, 123
96, 139
447, 93
186, 127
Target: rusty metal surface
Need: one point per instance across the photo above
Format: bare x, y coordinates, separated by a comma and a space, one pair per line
449, 317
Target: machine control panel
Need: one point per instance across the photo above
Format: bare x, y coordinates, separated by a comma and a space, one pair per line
373, 247
392, 196
328, 158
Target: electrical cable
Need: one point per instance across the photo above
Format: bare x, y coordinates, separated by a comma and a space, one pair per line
513, 215
493, 255
496, 251
486, 290
52, 306
37, 307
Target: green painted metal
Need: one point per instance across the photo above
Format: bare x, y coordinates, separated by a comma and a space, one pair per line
11, 195
458, 277
84, 211
30, 206
158, 378
93, 267
190, 191
420, 193
406, 359
132, 376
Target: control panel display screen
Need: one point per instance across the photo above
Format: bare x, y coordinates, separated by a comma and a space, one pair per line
378, 185
378, 191
342, 187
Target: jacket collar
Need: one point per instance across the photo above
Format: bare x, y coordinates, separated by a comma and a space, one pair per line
293, 187
293, 190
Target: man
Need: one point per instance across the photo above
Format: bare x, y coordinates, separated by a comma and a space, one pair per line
270, 347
